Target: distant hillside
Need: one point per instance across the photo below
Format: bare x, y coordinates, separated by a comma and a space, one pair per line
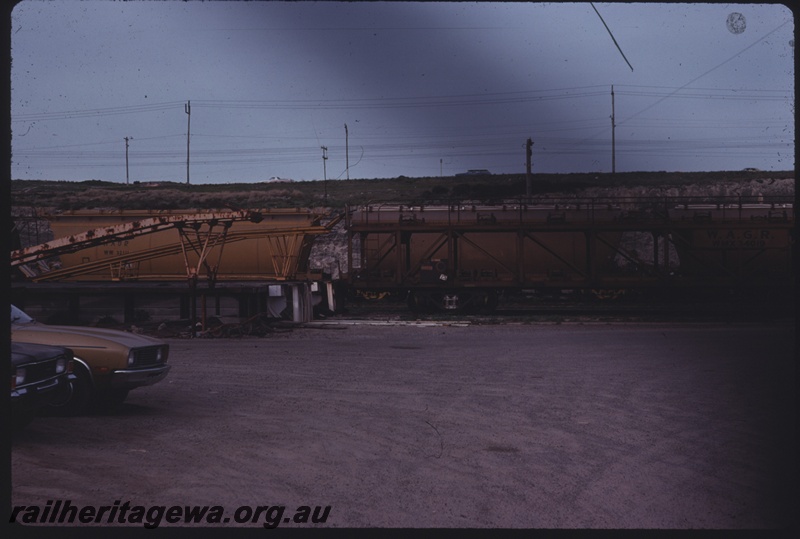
60, 195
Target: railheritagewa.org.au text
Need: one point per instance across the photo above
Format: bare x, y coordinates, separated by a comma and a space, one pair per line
61, 512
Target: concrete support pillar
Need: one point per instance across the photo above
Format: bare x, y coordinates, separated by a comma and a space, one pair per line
129, 308
331, 297
302, 310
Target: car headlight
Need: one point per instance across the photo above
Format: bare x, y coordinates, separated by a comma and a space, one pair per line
19, 378
131, 358
61, 365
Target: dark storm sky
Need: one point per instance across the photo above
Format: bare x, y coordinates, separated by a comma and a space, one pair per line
424, 88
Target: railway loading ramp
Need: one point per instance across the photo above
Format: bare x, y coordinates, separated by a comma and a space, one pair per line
250, 249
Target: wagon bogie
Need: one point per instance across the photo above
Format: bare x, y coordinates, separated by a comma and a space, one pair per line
462, 300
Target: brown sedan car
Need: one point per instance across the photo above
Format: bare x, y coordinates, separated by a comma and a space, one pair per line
107, 363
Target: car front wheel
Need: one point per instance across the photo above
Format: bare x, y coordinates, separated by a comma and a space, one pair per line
78, 397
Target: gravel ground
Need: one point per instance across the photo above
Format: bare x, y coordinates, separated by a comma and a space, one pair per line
436, 425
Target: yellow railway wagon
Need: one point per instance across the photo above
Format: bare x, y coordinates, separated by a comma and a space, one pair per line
749, 243
470, 245
276, 247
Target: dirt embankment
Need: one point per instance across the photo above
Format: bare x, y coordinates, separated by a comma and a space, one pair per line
54, 195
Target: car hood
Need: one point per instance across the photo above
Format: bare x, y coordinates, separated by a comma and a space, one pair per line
23, 353
78, 336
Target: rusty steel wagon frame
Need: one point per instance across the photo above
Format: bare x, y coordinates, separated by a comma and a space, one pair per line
195, 247
199, 235
381, 240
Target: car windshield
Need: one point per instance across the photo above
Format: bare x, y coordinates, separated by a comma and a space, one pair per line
19, 317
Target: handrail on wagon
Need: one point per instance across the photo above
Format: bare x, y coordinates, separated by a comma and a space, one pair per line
76, 242
589, 209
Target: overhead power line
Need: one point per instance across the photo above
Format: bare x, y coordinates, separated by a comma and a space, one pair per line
84, 113
612, 36
453, 100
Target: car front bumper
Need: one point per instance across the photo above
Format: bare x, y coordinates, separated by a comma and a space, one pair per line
39, 395
131, 378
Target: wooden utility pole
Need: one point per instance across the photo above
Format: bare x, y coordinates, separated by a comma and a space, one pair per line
325, 172
528, 155
188, 109
613, 135
346, 152
127, 176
